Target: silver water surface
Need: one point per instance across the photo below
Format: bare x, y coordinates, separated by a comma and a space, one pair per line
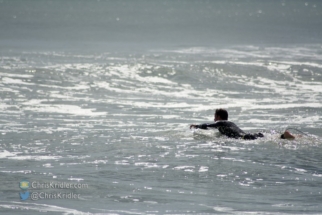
120, 123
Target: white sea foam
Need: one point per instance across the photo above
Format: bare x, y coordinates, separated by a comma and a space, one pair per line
121, 124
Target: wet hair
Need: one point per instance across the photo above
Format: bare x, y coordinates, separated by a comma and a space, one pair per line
222, 113
282, 136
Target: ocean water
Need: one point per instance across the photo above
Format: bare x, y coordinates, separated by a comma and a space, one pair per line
97, 98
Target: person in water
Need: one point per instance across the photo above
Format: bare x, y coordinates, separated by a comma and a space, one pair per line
231, 130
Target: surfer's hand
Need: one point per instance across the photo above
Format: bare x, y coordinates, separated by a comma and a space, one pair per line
193, 126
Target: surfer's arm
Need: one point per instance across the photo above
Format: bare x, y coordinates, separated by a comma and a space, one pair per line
204, 126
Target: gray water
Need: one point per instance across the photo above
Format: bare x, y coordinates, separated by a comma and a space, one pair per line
102, 93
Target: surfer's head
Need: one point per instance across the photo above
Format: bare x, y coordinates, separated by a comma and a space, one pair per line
221, 114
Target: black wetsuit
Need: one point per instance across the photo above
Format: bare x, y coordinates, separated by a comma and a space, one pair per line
230, 130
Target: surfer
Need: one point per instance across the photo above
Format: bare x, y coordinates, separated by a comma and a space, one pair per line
231, 130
